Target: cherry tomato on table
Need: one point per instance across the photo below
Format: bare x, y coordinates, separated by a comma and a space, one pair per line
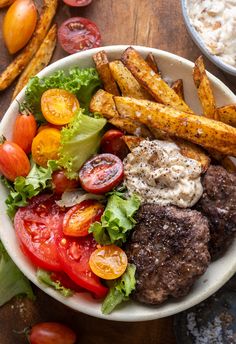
101, 173
24, 131
77, 3
77, 34
61, 183
51, 333
113, 143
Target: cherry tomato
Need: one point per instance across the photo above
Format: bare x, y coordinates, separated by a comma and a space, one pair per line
108, 262
51, 333
77, 34
13, 161
113, 143
47, 126
77, 3
61, 183
65, 280
24, 131
59, 106
74, 254
37, 226
45, 146
79, 218
101, 173
19, 24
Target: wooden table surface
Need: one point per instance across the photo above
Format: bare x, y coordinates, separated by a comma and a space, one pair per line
154, 23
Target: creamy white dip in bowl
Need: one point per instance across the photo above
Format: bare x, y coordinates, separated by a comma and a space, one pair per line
219, 271
212, 26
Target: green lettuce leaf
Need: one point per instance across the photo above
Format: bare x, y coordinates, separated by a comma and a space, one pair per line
45, 278
79, 140
116, 221
120, 290
12, 281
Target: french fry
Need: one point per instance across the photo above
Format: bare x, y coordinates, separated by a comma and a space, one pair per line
151, 81
131, 127
132, 141
227, 114
178, 87
128, 85
228, 164
205, 93
39, 61
22, 60
151, 61
197, 129
102, 65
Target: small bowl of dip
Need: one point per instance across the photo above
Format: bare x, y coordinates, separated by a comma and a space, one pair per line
212, 26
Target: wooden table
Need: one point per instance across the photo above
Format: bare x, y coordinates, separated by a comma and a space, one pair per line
154, 23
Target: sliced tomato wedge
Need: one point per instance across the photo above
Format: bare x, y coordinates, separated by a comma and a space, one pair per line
74, 254
37, 226
113, 143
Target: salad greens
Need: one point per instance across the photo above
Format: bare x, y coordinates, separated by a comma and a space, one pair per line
120, 290
116, 221
45, 278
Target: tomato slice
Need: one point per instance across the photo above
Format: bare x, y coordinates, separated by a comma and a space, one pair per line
74, 254
61, 183
37, 226
66, 281
113, 143
59, 106
108, 262
77, 34
79, 218
101, 173
77, 3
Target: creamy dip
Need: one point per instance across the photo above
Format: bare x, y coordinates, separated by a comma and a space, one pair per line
215, 20
158, 173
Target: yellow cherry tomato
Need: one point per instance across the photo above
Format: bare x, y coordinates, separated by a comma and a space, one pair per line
108, 262
59, 106
45, 146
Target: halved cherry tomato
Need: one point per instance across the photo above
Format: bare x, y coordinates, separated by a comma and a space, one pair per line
77, 3
108, 262
61, 183
74, 254
112, 143
45, 146
47, 126
13, 161
51, 333
59, 106
24, 131
37, 226
101, 173
80, 217
77, 34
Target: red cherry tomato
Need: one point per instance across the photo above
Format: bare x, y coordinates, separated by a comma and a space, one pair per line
51, 333
61, 183
36, 227
65, 280
74, 254
101, 173
112, 143
24, 131
77, 3
77, 34
79, 218
13, 161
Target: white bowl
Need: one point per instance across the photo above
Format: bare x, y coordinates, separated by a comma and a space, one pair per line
218, 273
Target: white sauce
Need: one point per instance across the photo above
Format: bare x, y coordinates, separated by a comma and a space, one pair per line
215, 20
158, 173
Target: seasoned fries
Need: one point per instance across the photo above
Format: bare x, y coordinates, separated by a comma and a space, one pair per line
22, 60
131, 127
39, 61
151, 61
227, 114
132, 141
178, 87
103, 69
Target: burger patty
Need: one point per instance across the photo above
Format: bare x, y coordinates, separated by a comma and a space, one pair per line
218, 203
169, 247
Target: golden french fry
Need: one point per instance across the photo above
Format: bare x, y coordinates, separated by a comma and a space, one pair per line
132, 141
151, 61
102, 65
228, 164
197, 129
131, 127
178, 87
103, 103
151, 81
39, 61
227, 114
22, 60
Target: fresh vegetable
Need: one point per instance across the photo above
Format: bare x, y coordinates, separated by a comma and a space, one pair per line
77, 34
108, 262
13, 160
45, 146
61, 183
79, 140
24, 131
37, 226
77, 3
112, 142
51, 333
19, 24
101, 173
79, 218
59, 106
70, 198
50, 280
13, 282
117, 220
120, 290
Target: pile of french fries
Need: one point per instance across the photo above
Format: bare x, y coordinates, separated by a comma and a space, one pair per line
137, 100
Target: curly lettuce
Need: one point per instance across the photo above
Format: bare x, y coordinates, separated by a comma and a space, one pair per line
45, 277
